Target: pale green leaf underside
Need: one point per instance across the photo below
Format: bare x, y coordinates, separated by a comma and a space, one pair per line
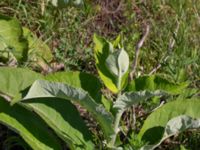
87, 82
64, 119
31, 128
118, 64
174, 126
41, 88
123, 62
156, 122
131, 98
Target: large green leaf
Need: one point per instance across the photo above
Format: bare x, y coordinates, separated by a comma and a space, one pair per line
66, 3
128, 99
64, 119
174, 126
42, 88
39, 52
31, 128
156, 122
112, 65
155, 82
13, 81
11, 39
88, 82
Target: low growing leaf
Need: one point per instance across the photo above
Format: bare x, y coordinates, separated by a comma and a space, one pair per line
156, 122
30, 127
41, 88
130, 98
155, 82
174, 126
13, 81
64, 119
87, 82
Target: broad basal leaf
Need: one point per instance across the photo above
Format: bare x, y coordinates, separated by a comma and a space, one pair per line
155, 82
13, 81
88, 82
112, 64
157, 121
174, 126
42, 88
64, 119
130, 98
30, 127
11, 39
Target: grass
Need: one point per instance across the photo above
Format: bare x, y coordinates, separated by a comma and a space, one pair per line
69, 31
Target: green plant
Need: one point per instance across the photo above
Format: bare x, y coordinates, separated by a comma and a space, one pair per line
12, 41
48, 102
20, 46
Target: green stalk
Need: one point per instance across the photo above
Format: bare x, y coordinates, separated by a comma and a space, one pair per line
117, 117
116, 129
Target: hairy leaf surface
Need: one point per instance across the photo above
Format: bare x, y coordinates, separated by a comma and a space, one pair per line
42, 88
130, 98
87, 82
118, 64
156, 121
174, 126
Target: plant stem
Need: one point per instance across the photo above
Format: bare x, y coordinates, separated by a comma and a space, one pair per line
117, 117
116, 128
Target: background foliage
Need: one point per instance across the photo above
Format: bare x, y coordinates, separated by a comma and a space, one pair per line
68, 32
